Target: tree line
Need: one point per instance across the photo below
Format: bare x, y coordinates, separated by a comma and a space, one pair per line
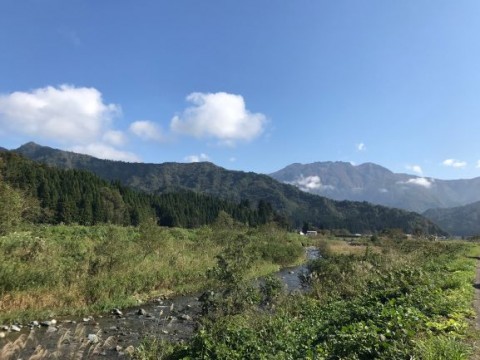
51, 195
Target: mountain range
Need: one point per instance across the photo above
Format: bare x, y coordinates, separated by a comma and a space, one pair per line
378, 185
298, 206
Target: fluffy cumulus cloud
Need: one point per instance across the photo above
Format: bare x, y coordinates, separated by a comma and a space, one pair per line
197, 158
103, 151
310, 183
220, 116
415, 168
146, 130
65, 113
420, 181
454, 163
77, 116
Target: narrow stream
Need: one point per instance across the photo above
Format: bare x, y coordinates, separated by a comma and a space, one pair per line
110, 335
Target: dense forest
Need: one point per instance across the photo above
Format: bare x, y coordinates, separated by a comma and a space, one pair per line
460, 220
52, 195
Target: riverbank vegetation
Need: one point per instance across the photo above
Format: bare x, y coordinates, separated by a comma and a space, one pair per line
57, 270
396, 299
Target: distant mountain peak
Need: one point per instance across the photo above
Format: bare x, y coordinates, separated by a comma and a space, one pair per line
30, 144
376, 184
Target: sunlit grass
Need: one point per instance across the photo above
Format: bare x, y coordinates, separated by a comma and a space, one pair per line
67, 269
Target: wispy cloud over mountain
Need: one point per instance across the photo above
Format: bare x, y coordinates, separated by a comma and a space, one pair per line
454, 163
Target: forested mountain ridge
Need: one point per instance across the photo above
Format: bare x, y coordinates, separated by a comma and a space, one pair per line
376, 184
207, 178
460, 220
78, 196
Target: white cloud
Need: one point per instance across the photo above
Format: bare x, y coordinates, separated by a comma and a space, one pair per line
232, 159
218, 115
383, 190
197, 158
454, 163
361, 147
146, 130
415, 168
114, 137
310, 183
65, 113
103, 151
420, 181
478, 164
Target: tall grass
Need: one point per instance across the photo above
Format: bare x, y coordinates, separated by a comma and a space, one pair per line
69, 269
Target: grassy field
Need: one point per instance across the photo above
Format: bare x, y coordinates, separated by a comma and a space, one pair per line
60, 270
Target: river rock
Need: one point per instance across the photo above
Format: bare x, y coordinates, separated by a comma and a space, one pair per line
34, 323
93, 338
15, 328
52, 329
141, 312
2, 335
117, 312
49, 322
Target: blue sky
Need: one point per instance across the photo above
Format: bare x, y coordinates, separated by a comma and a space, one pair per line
252, 85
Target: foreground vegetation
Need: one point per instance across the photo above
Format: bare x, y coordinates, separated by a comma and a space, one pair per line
62, 269
392, 299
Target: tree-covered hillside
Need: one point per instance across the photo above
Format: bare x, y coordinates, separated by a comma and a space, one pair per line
236, 186
461, 220
53, 195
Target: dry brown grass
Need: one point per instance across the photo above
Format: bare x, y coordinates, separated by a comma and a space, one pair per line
342, 247
42, 300
70, 345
